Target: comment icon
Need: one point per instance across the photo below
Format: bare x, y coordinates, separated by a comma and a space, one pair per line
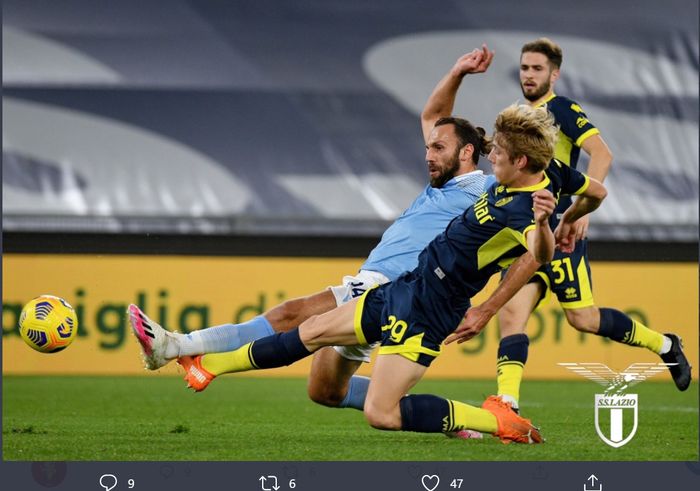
108, 481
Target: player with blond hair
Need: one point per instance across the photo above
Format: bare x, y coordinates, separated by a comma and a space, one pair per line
413, 315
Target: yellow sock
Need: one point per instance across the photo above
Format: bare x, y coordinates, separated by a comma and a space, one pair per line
229, 362
510, 374
463, 416
641, 335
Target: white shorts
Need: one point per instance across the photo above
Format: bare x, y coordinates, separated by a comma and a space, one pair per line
353, 287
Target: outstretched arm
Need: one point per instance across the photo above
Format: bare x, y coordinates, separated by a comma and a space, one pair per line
442, 100
476, 318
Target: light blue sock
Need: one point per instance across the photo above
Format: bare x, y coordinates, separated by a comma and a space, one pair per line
226, 337
357, 393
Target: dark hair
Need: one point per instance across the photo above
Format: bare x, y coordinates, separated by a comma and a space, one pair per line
467, 134
546, 47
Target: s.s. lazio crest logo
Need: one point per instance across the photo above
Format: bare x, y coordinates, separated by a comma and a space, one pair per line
614, 398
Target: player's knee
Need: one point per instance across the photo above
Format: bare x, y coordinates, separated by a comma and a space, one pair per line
380, 418
286, 313
581, 320
324, 394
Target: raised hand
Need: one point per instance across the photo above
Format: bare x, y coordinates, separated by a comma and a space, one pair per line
476, 61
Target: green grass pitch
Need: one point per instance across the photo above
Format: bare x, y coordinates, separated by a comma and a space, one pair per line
238, 418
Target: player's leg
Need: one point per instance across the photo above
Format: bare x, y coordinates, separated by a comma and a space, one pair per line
336, 327
388, 408
392, 377
281, 318
618, 326
411, 338
513, 347
332, 380
614, 325
160, 346
576, 299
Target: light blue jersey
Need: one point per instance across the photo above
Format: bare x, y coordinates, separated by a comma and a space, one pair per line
428, 215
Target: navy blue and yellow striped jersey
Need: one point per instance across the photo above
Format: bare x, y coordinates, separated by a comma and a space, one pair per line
489, 235
574, 129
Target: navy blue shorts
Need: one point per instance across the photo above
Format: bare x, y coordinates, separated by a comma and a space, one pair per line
414, 321
568, 276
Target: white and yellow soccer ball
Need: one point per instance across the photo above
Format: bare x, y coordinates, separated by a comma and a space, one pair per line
48, 324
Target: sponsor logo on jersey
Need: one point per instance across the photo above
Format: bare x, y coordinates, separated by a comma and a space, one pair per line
503, 201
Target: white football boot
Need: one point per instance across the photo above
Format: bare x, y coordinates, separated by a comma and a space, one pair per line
154, 340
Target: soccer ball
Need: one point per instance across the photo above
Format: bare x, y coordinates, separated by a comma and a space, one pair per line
48, 324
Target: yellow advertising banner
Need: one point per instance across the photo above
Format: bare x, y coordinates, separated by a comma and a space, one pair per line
185, 293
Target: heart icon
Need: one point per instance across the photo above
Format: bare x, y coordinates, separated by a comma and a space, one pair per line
430, 482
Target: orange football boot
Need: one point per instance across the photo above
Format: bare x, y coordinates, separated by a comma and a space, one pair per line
196, 376
511, 426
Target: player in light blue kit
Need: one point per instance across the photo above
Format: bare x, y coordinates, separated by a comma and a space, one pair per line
453, 146
414, 314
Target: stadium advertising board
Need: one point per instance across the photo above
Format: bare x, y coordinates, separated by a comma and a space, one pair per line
188, 293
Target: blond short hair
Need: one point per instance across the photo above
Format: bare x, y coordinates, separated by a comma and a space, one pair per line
527, 131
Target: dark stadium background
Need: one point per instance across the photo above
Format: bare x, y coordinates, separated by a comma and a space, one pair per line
225, 155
